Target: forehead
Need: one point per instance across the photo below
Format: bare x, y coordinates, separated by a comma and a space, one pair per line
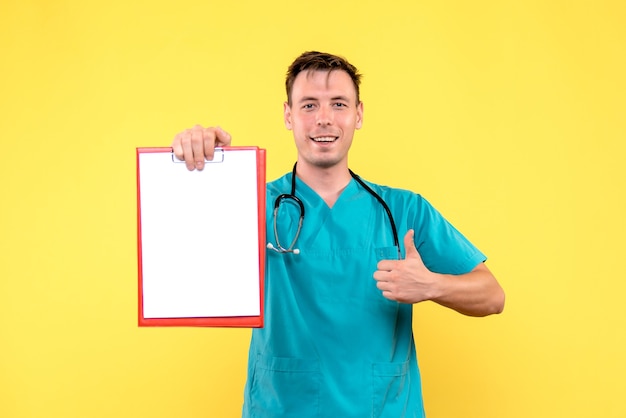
319, 84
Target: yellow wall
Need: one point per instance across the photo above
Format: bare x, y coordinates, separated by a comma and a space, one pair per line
507, 115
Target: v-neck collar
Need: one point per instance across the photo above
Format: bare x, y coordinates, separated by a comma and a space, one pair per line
313, 199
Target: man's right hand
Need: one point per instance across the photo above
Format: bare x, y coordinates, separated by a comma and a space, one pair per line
197, 144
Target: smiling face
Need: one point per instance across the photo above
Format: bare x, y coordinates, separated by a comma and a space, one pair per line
323, 116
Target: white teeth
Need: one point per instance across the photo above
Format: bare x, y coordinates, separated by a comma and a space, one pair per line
324, 139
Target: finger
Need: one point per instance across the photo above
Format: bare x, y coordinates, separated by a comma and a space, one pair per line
409, 246
388, 295
223, 138
386, 265
381, 275
386, 290
197, 146
383, 286
177, 146
209, 143
187, 150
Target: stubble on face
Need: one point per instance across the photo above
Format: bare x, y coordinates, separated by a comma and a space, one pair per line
323, 116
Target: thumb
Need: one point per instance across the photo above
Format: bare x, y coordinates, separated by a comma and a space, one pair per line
409, 246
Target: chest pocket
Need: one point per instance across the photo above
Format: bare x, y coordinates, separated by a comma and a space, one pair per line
386, 253
380, 254
342, 276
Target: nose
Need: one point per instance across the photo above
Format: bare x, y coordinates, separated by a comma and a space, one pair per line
324, 116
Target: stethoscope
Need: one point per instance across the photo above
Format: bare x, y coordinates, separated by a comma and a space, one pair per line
279, 248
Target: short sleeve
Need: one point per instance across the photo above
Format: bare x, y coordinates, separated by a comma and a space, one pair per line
442, 247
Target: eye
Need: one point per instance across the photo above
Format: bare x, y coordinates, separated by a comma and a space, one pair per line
339, 104
307, 106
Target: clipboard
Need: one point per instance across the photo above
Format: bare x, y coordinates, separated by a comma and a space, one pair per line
201, 239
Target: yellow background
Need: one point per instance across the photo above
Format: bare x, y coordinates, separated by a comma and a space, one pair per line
507, 115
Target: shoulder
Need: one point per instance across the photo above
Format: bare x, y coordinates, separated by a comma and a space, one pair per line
405, 204
278, 185
397, 195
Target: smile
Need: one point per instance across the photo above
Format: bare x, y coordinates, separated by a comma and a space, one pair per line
325, 139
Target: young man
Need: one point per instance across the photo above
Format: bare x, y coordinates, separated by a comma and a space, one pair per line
338, 338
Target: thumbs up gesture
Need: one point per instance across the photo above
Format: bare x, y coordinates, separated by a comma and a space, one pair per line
408, 280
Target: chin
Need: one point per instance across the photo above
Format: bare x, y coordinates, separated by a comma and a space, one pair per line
326, 162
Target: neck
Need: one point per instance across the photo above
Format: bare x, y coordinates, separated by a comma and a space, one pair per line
327, 182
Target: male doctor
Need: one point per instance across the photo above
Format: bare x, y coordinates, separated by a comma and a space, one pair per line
338, 338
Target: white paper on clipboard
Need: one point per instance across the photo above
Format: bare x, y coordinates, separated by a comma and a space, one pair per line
199, 236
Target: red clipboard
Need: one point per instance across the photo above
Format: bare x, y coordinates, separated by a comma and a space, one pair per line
201, 239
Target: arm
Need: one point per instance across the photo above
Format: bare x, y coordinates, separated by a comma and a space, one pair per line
476, 293
197, 144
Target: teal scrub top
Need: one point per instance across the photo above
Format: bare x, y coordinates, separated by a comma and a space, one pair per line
332, 345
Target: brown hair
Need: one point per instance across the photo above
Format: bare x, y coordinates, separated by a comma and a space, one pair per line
321, 61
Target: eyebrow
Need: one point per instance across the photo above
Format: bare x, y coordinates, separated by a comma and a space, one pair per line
315, 99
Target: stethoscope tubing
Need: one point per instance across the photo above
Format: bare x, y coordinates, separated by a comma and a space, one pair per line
292, 196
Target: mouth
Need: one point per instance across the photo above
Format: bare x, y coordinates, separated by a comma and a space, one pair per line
324, 139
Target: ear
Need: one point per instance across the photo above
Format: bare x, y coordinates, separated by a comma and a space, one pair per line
359, 115
287, 115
